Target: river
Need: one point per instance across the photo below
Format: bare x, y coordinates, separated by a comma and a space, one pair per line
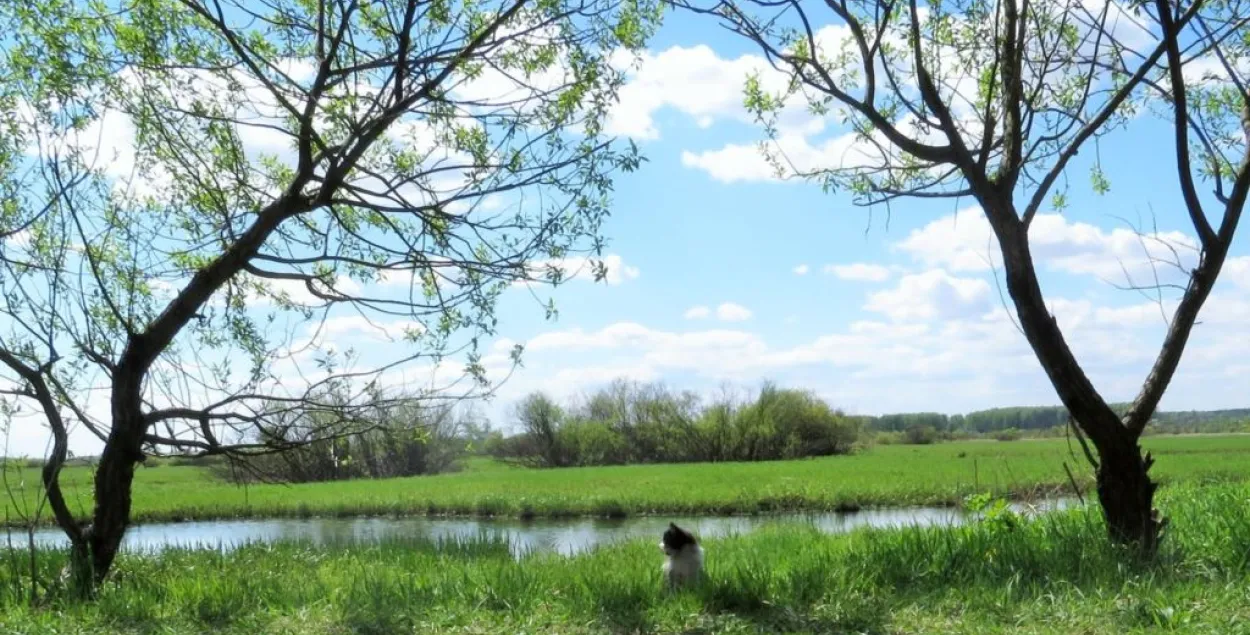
564, 536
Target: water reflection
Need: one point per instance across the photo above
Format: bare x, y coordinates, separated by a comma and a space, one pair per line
565, 536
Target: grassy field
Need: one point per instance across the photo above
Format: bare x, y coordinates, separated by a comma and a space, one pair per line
1056, 574
881, 476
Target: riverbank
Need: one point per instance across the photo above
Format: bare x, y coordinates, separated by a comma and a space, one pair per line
882, 476
1057, 574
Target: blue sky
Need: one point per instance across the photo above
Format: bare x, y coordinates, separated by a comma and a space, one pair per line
721, 273
883, 319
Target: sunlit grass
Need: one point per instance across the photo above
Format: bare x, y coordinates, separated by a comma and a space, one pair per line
1057, 574
940, 474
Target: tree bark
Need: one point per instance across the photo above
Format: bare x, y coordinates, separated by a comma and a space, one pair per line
115, 474
1127, 496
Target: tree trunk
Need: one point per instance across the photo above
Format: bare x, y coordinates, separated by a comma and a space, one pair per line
1127, 496
79, 570
113, 479
116, 473
1124, 487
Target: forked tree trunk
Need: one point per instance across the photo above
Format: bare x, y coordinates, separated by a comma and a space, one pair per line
1124, 487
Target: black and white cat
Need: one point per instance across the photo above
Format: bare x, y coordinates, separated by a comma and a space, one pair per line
683, 563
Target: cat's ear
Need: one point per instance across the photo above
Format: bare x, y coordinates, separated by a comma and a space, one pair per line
674, 526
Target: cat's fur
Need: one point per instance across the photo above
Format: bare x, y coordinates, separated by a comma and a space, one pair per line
683, 562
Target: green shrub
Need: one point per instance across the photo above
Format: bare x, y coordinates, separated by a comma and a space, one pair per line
920, 434
647, 423
1010, 434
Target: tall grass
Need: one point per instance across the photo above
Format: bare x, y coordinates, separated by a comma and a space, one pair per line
1057, 574
941, 474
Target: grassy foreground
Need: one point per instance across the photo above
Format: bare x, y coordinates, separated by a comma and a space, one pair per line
1056, 574
890, 475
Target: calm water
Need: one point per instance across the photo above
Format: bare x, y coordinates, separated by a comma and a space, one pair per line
565, 536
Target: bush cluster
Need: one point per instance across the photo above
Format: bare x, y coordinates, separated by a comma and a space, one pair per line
630, 422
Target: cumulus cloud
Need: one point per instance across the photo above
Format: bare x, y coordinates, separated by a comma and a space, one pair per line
801, 152
964, 242
932, 295
700, 84
1209, 70
1237, 272
801, 270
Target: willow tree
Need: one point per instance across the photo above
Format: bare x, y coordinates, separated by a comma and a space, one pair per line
202, 196
993, 100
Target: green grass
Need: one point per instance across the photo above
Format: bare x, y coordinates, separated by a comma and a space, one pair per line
882, 476
1057, 574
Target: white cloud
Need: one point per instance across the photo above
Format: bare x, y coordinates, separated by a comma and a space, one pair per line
730, 312
732, 164
511, 89
964, 242
296, 291
859, 271
109, 143
1128, 30
618, 271
1236, 271
1209, 71
699, 83
262, 126
797, 152
110, 139
961, 242
697, 313
1142, 314
20, 239
801, 270
932, 295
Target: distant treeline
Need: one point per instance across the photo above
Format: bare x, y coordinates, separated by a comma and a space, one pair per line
1039, 418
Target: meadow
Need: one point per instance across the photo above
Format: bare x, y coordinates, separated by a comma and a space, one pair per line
883, 475
1055, 574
